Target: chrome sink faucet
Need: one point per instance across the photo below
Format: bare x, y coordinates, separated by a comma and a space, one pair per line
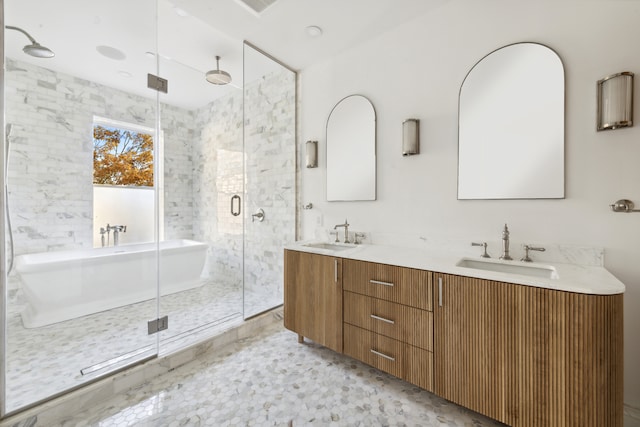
484, 246
346, 231
505, 244
528, 248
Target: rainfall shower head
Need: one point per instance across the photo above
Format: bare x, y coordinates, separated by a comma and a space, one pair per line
35, 48
217, 76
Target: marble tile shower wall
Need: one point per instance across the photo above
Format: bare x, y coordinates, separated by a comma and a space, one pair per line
50, 167
268, 165
51, 157
270, 155
178, 127
218, 166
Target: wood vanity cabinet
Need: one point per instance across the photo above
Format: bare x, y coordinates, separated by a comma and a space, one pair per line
528, 356
388, 319
313, 297
523, 355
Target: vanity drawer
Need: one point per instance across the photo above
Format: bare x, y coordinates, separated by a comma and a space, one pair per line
402, 360
403, 285
401, 322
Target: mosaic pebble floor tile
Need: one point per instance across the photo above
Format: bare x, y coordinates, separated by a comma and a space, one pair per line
47, 360
271, 380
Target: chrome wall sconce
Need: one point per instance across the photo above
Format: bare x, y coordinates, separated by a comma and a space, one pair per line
410, 137
312, 154
615, 101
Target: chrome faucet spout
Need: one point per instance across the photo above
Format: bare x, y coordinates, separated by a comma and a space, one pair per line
116, 230
346, 231
505, 244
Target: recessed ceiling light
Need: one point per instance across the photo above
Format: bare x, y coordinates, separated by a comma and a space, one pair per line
124, 73
111, 53
314, 31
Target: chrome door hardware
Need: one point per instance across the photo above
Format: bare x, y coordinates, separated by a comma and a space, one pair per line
259, 214
157, 325
378, 282
157, 83
382, 319
235, 205
377, 353
623, 205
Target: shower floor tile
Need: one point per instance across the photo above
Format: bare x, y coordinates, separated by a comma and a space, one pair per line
271, 380
48, 360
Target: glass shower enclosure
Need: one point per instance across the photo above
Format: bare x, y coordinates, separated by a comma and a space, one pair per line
137, 221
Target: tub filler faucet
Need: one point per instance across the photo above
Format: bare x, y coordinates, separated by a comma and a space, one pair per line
117, 229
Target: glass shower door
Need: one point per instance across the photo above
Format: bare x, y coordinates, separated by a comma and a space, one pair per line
270, 156
82, 268
201, 267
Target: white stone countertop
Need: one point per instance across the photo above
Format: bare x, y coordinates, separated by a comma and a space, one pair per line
571, 277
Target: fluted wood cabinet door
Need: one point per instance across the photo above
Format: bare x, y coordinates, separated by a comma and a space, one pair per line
471, 331
313, 297
566, 364
529, 356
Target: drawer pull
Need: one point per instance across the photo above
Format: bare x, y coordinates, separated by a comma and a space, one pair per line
377, 282
373, 316
377, 353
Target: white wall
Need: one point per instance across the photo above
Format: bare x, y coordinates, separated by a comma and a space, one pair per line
416, 70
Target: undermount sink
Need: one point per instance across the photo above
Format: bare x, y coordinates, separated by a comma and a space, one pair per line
511, 267
330, 246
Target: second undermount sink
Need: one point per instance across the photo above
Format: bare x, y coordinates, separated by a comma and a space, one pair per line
511, 267
330, 246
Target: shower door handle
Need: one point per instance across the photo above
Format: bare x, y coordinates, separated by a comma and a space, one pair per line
235, 205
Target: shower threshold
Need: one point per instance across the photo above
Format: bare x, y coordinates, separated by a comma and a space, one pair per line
167, 345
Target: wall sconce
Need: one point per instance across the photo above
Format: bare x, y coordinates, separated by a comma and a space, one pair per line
410, 137
312, 154
615, 101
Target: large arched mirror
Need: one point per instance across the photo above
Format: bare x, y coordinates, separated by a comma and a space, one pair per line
351, 150
511, 125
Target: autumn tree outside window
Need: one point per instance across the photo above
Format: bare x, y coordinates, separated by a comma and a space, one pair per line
122, 156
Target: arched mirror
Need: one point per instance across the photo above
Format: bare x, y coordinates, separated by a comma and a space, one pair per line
351, 150
511, 125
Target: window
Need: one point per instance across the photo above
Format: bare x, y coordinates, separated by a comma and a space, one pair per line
122, 156
124, 192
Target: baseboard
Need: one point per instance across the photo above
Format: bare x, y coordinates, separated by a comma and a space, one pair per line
631, 416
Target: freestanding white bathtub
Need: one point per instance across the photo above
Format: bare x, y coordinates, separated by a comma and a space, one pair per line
68, 284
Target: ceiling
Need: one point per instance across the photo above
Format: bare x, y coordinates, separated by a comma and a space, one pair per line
190, 33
